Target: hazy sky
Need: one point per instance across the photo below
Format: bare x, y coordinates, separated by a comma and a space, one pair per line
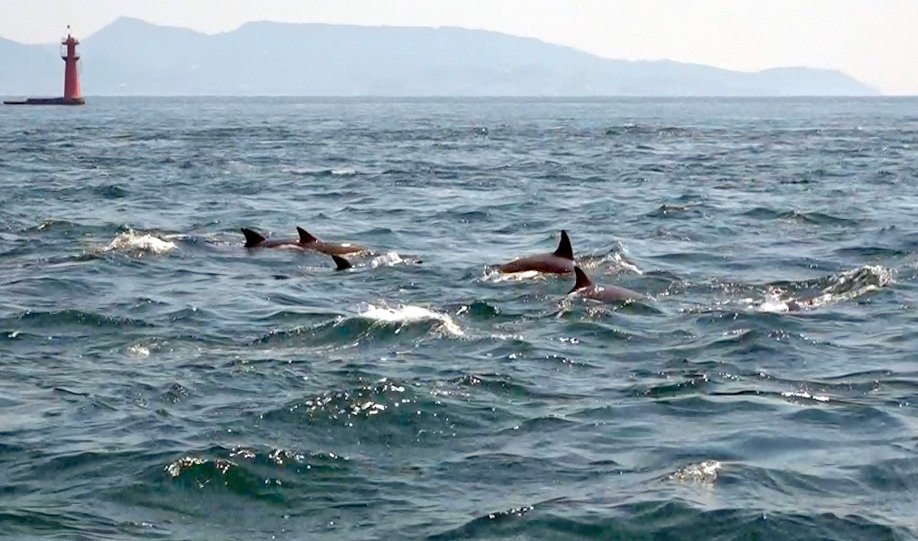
876, 41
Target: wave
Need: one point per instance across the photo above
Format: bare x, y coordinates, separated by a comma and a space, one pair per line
567, 518
814, 218
139, 350
500, 385
649, 130
61, 226
374, 323
366, 401
480, 310
313, 172
252, 472
378, 413
110, 191
66, 319
29, 523
863, 252
410, 314
843, 286
702, 472
669, 210
614, 259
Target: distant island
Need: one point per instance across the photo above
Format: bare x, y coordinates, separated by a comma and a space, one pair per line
132, 57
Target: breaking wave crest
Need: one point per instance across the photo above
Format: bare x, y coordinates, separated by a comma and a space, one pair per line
410, 314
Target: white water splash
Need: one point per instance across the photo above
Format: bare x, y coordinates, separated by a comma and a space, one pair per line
704, 472
772, 304
175, 469
854, 283
386, 260
134, 242
847, 285
622, 263
236, 166
501, 336
805, 395
139, 350
298, 171
305, 171
494, 275
410, 314
616, 260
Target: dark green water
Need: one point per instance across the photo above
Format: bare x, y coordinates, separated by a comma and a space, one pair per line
159, 381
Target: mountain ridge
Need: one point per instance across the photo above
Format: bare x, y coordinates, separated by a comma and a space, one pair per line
133, 57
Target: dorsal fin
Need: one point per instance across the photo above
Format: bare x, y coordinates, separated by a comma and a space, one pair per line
582, 280
305, 237
341, 263
252, 238
564, 247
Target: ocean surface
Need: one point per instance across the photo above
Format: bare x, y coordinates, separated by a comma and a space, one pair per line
160, 381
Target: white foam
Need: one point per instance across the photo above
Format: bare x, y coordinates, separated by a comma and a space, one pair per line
704, 472
318, 171
386, 260
130, 241
236, 166
854, 283
808, 396
175, 469
298, 171
773, 304
494, 275
409, 314
622, 263
139, 350
501, 336
847, 285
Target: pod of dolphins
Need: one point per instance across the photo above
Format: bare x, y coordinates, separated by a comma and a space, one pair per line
559, 262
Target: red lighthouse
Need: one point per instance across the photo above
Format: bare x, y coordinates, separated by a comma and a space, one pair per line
71, 77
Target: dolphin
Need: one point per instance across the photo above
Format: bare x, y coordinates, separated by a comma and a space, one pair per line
331, 248
254, 240
341, 263
561, 261
608, 294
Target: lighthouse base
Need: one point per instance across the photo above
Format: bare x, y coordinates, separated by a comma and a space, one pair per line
46, 101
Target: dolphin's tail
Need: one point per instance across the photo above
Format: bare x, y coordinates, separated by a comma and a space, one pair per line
305, 237
341, 263
252, 238
564, 247
582, 280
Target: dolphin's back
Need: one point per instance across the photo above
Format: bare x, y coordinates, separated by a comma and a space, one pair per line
546, 263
